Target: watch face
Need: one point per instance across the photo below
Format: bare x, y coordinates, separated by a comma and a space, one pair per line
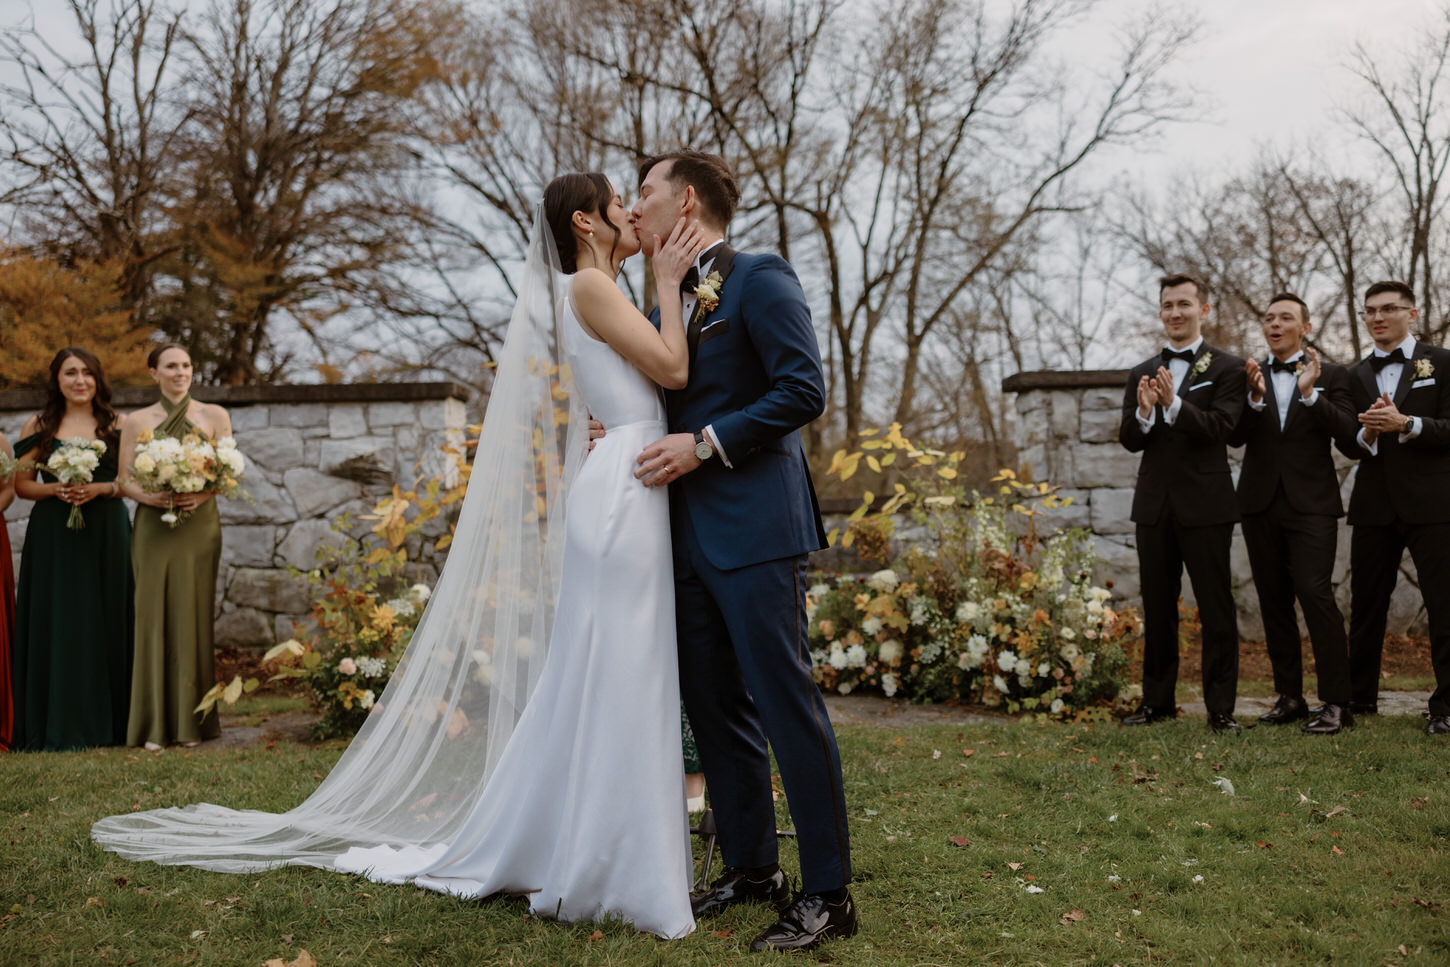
704, 451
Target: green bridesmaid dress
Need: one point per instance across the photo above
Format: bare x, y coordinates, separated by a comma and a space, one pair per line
176, 574
71, 652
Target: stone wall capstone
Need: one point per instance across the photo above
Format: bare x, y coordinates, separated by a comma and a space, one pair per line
1067, 434
315, 453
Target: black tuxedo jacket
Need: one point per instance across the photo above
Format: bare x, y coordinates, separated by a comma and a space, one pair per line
1409, 481
1185, 466
1298, 455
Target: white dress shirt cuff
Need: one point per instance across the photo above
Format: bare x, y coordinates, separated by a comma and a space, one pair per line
709, 432
1373, 448
1145, 423
1170, 415
1260, 404
1311, 399
1416, 425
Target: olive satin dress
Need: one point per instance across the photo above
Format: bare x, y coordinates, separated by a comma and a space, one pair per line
176, 574
71, 651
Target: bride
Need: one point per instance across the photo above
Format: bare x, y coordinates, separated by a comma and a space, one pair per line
492, 763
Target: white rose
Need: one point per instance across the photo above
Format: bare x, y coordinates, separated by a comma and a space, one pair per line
885, 580
891, 651
1006, 659
856, 656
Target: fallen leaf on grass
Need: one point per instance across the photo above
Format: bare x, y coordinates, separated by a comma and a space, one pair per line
1433, 907
1336, 851
1261, 844
1419, 803
722, 934
969, 752
1014, 867
304, 959
597, 935
1335, 812
959, 841
1034, 888
1072, 916
94, 901
985, 876
1223, 783
198, 934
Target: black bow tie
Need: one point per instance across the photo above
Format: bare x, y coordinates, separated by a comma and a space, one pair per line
690, 281
1171, 354
1380, 362
1282, 366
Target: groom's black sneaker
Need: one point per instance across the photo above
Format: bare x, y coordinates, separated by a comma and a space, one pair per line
812, 918
764, 885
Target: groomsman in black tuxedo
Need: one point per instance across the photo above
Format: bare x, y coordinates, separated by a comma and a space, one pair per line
1178, 411
1289, 498
1401, 494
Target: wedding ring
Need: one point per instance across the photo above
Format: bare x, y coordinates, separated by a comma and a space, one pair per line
666, 468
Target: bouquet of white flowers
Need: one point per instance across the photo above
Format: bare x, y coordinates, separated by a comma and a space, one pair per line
190, 465
74, 461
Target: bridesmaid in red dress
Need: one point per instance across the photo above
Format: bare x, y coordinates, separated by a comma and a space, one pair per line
7, 607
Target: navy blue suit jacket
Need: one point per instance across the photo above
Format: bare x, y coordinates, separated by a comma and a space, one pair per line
756, 379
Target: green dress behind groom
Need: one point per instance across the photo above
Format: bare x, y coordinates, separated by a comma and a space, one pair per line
176, 574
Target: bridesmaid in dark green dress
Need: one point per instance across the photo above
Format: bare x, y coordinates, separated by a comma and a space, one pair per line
176, 570
71, 659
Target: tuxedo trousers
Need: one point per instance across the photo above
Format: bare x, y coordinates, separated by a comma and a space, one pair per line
745, 674
1375, 551
1291, 555
1165, 549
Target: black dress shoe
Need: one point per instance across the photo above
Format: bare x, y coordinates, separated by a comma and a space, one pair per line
1147, 715
1289, 708
1328, 719
741, 886
1364, 708
1222, 722
806, 922
1438, 725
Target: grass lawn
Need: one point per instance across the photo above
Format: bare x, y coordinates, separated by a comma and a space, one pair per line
1003, 843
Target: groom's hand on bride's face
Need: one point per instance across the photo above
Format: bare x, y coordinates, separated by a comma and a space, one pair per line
667, 460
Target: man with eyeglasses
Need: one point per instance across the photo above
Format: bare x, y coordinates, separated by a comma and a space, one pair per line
1179, 408
1401, 494
1289, 497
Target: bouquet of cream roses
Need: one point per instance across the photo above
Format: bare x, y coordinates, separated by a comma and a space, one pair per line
189, 465
74, 461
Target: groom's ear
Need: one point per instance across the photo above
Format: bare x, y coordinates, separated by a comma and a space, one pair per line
690, 202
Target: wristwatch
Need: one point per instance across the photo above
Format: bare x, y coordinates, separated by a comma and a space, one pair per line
703, 450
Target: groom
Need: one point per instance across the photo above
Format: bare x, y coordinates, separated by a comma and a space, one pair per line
744, 518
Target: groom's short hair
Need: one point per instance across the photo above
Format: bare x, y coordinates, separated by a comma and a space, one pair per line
708, 174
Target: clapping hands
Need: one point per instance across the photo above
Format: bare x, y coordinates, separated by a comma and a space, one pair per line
1382, 417
1158, 389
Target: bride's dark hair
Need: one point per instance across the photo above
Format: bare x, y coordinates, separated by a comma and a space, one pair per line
567, 194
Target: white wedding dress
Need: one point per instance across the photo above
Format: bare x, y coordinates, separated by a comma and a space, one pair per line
489, 764
585, 810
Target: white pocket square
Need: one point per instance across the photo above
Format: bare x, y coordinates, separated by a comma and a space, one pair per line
1422, 382
1199, 386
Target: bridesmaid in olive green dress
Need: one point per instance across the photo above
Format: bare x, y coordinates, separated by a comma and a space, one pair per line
176, 570
71, 652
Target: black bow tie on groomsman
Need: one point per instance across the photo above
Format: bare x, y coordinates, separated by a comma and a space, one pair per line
1380, 362
1283, 366
690, 281
1171, 354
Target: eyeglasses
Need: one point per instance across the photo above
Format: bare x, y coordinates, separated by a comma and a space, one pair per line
1384, 311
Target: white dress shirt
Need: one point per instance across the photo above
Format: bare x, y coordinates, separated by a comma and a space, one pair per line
1178, 369
1286, 387
1388, 380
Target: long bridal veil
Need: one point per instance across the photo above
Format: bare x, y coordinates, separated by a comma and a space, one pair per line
413, 773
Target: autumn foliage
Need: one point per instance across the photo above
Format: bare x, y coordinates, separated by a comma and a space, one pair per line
45, 306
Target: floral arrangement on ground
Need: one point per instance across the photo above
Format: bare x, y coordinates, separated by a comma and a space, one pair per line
977, 604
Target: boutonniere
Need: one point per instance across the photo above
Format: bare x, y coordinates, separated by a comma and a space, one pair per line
1424, 369
1202, 365
708, 291
1298, 366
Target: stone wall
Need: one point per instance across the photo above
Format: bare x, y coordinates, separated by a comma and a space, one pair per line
315, 453
1067, 434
